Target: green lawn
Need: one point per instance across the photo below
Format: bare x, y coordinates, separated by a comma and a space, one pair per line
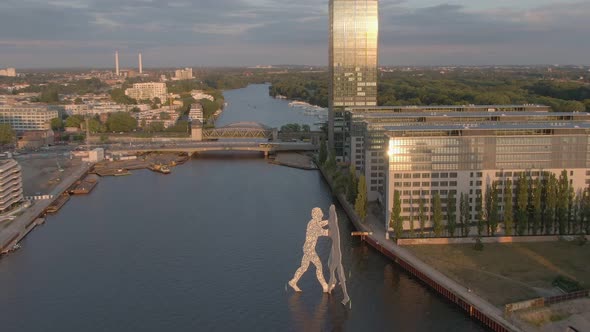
506, 273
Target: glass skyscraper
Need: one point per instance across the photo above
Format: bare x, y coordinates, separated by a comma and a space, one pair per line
354, 29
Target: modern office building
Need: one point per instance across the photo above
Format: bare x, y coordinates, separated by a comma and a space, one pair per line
28, 117
143, 91
424, 161
421, 154
354, 29
368, 146
11, 185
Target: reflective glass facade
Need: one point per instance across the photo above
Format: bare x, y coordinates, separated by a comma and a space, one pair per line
353, 62
422, 164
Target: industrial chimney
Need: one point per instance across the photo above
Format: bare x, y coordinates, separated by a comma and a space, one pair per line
140, 64
117, 63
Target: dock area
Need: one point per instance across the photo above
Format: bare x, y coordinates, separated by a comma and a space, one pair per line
84, 186
143, 161
58, 203
13, 231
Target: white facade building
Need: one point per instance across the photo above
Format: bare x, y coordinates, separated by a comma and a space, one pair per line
142, 91
11, 184
10, 72
198, 95
27, 117
196, 112
183, 74
147, 117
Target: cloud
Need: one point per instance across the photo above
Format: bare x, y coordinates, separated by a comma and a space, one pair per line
288, 31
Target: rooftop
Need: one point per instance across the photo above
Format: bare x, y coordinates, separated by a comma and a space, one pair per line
439, 107
491, 126
369, 115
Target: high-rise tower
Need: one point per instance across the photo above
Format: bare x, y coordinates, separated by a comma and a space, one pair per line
117, 63
140, 64
354, 32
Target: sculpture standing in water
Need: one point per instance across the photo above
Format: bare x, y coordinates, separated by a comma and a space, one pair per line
315, 229
335, 259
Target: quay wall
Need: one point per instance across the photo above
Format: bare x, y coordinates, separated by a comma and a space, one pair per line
22, 225
471, 240
476, 307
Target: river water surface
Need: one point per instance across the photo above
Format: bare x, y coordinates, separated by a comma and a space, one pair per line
207, 248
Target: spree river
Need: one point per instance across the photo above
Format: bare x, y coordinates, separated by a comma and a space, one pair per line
208, 248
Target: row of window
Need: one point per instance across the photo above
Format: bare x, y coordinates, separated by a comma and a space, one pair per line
426, 175
426, 184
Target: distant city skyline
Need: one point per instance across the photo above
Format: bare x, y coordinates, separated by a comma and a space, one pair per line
85, 33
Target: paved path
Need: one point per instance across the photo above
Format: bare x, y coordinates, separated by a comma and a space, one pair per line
8, 230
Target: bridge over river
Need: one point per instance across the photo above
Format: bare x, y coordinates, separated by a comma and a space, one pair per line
191, 148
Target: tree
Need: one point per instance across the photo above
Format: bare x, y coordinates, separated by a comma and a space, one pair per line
209, 107
421, 216
508, 210
563, 198
437, 216
396, 221
57, 124
165, 116
49, 96
586, 212
480, 215
78, 101
464, 214
156, 127
323, 154
95, 126
550, 204
305, 128
488, 208
74, 121
522, 203
351, 191
576, 214
331, 162
291, 128
181, 126
118, 96
572, 211
360, 205
451, 213
7, 135
494, 216
121, 122
135, 109
536, 200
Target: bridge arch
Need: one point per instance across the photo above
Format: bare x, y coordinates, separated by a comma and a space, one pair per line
241, 130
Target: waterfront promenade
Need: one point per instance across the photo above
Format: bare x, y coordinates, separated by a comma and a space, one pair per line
476, 306
11, 232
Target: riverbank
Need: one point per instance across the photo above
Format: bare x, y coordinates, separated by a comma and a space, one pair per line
294, 160
477, 307
12, 232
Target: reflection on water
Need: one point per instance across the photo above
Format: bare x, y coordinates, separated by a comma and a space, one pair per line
207, 248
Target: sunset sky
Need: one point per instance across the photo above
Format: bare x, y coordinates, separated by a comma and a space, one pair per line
85, 33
